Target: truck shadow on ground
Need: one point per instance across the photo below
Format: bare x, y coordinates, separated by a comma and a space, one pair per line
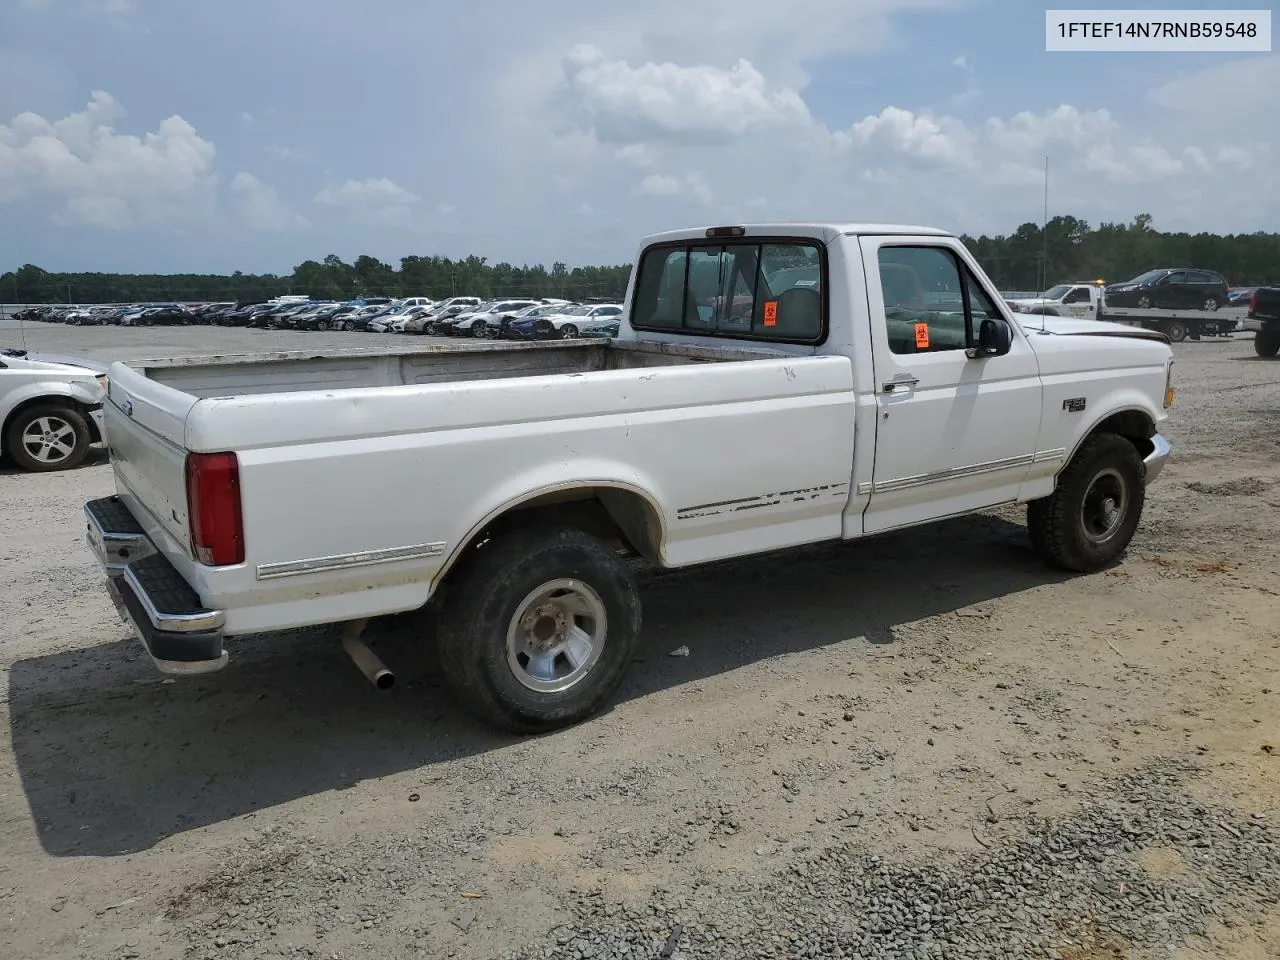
114, 758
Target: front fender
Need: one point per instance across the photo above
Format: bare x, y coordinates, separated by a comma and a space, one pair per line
87, 393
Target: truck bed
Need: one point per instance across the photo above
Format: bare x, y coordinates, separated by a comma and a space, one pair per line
362, 472
286, 372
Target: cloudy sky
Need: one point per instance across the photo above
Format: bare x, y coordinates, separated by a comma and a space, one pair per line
176, 135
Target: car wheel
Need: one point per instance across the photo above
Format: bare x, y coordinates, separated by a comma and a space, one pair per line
480, 329
48, 437
1210, 304
323, 325
538, 628
1144, 302
1266, 343
1089, 519
569, 331
1175, 330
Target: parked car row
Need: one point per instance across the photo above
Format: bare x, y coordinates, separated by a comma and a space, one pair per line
509, 318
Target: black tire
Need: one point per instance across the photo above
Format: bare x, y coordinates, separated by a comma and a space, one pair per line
1144, 302
479, 329
323, 326
1063, 525
1176, 331
569, 331
1266, 343
68, 417
484, 596
1210, 303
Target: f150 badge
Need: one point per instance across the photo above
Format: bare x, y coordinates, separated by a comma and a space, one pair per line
1073, 404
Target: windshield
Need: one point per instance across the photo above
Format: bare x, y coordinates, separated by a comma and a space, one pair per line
575, 311
1058, 292
1148, 276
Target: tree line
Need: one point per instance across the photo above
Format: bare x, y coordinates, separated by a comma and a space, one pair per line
1030, 258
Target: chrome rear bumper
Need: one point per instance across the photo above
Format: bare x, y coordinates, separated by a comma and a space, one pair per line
179, 633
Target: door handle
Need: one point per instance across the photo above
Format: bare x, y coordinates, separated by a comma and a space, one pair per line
900, 380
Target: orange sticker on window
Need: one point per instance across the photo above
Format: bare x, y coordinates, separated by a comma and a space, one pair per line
922, 336
771, 313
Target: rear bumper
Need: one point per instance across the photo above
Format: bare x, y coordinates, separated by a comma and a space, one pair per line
1157, 458
179, 634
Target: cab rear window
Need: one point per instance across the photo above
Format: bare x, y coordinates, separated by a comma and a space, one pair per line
761, 290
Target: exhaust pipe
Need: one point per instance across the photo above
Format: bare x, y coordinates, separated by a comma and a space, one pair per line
365, 659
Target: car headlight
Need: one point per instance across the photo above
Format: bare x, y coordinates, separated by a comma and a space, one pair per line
1169, 391
102, 380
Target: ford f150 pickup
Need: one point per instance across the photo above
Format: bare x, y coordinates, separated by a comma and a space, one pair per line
770, 386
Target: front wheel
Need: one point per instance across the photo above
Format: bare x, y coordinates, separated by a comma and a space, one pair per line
1089, 519
1176, 331
479, 329
1266, 343
538, 628
569, 331
46, 438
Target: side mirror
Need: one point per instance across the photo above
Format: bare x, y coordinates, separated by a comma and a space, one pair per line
995, 338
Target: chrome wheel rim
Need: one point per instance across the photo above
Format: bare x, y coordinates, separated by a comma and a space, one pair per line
1105, 504
556, 636
49, 439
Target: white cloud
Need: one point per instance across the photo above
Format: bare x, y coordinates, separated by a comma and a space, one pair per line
103, 177
259, 206
659, 185
960, 62
1065, 126
637, 155
665, 101
691, 186
943, 140
377, 198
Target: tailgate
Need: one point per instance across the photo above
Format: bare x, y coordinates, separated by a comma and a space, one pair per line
145, 427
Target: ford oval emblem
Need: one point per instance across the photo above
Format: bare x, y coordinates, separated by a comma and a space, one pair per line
127, 407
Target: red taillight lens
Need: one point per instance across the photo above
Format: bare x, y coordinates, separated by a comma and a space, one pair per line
1253, 303
213, 508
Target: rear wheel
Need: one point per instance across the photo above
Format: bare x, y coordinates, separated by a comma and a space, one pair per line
1210, 304
1144, 302
479, 329
569, 331
48, 437
538, 628
322, 325
1175, 330
1266, 343
1089, 519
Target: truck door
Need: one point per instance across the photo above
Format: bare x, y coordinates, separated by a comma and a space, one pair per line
1079, 302
954, 432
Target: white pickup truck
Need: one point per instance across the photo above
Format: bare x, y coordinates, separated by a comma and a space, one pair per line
771, 385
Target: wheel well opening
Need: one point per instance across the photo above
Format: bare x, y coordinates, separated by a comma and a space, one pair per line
615, 515
81, 408
1134, 425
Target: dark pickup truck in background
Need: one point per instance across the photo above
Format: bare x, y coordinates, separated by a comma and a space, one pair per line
1264, 315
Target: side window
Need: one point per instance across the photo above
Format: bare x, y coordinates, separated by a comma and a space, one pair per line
659, 301
980, 305
1078, 295
923, 302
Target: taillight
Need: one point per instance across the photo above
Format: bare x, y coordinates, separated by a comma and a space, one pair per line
213, 508
1253, 304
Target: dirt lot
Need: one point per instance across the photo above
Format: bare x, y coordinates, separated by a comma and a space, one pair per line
926, 745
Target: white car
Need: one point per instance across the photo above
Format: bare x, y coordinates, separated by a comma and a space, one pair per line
586, 319
50, 409
485, 322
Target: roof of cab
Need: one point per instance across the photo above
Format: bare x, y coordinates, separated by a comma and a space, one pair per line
828, 230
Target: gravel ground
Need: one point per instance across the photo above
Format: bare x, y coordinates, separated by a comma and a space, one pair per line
923, 745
